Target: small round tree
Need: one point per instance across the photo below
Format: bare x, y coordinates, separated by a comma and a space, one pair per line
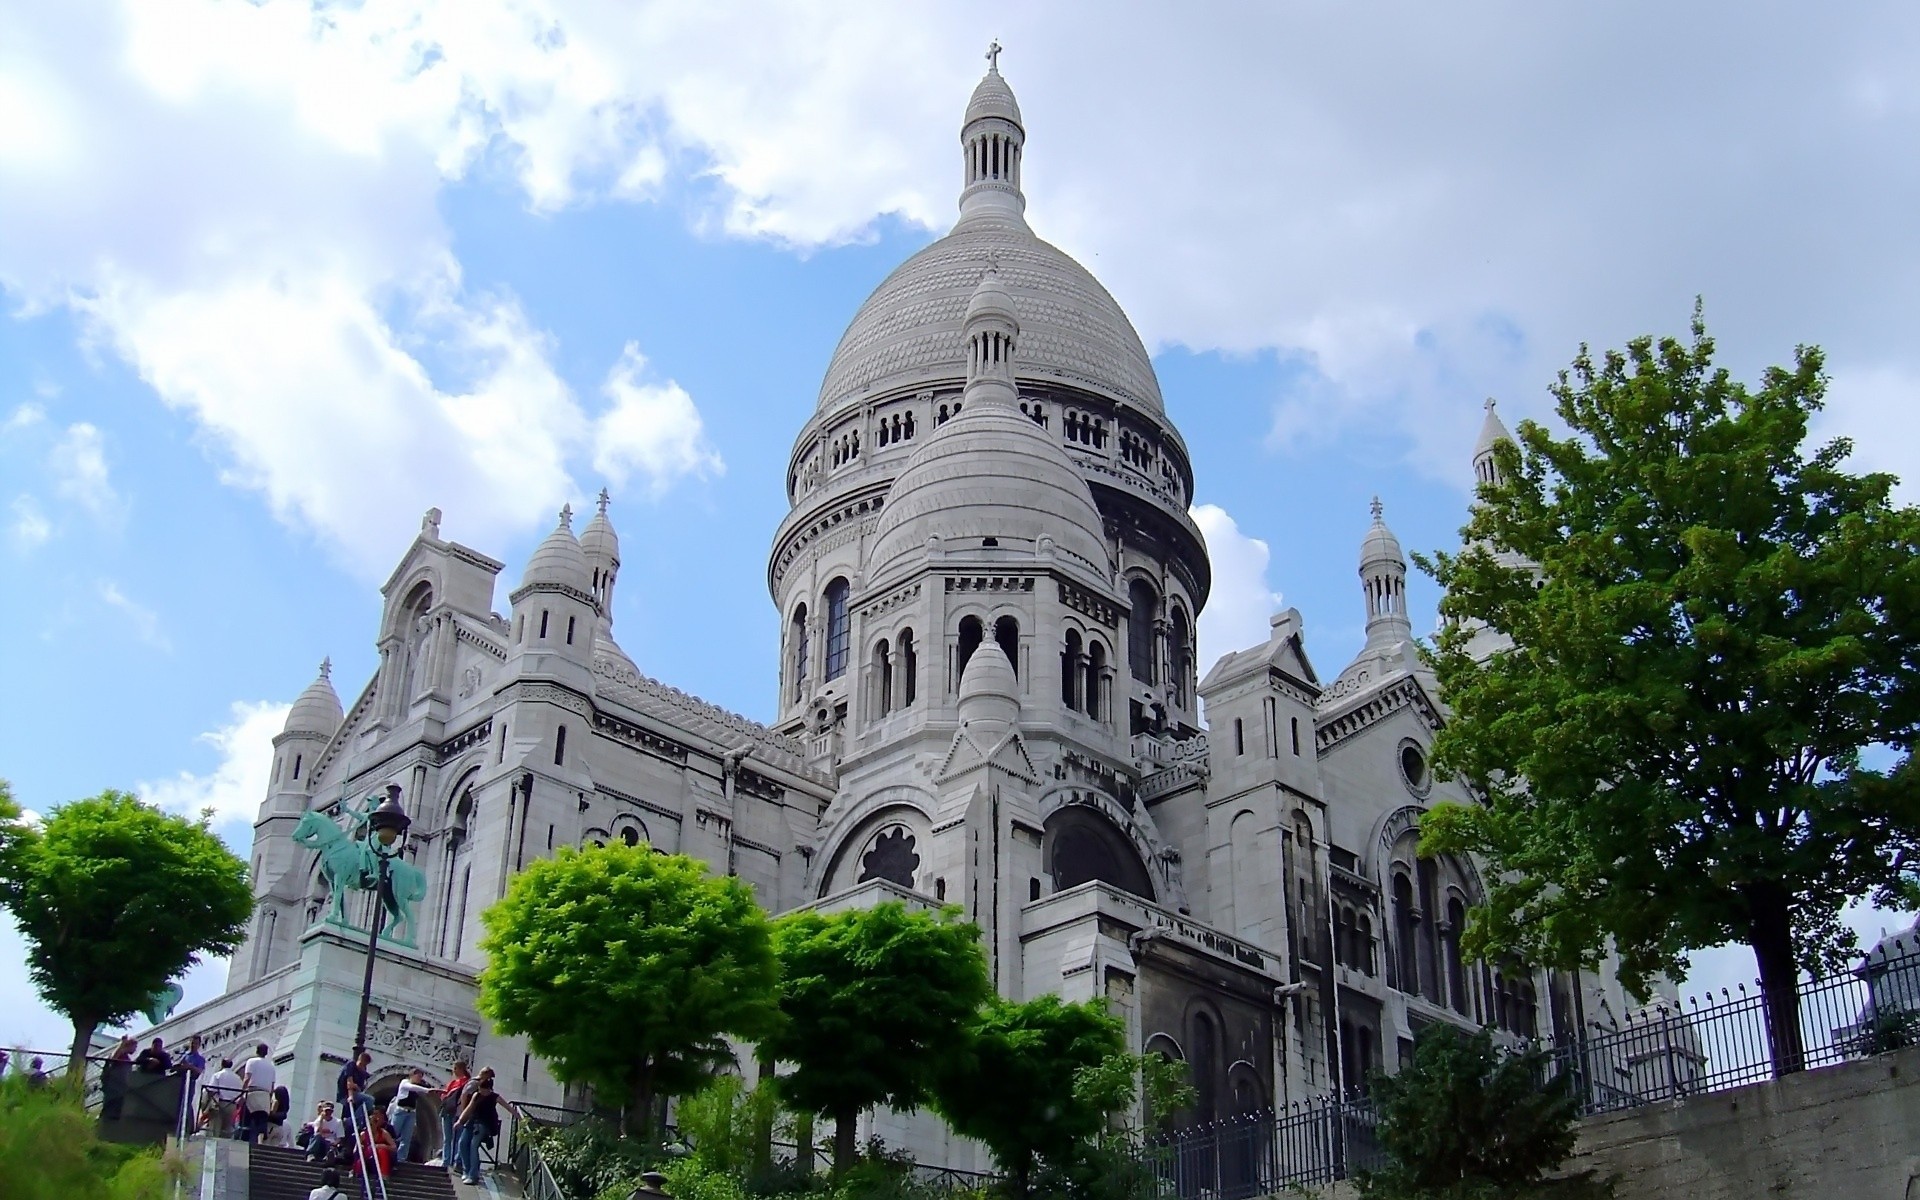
115, 898
627, 969
874, 1001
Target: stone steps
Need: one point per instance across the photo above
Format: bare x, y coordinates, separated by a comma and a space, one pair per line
276, 1173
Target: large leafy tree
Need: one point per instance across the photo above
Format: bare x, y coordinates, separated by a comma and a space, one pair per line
627, 969
1020, 1085
1465, 1121
1707, 623
874, 1001
115, 898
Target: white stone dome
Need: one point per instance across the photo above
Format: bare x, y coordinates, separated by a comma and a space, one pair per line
992, 98
1380, 545
598, 538
318, 708
559, 559
908, 333
989, 699
990, 472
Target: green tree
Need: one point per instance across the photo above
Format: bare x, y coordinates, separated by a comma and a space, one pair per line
1465, 1121
873, 1002
1019, 1085
1708, 624
50, 1149
115, 898
626, 970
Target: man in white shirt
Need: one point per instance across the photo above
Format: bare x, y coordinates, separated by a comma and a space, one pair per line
329, 1188
218, 1096
258, 1077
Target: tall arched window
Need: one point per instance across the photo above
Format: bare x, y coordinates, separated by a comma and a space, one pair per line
1070, 670
1456, 972
1006, 631
1096, 671
909, 668
1363, 935
1405, 949
1205, 1061
837, 629
1182, 654
883, 678
1146, 606
972, 633
797, 639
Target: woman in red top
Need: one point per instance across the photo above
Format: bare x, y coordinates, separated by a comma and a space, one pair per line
450, 1109
377, 1142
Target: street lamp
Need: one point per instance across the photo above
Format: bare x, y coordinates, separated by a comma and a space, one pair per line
386, 826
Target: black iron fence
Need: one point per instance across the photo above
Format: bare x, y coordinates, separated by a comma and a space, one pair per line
1667, 1051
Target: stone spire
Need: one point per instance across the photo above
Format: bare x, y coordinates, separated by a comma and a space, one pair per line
1383, 581
1492, 432
992, 331
992, 141
317, 711
602, 547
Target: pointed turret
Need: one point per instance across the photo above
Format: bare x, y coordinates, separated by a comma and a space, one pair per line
992, 140
1492, 432
317, 711
601, 545
554, 608
993, 333
1383, 581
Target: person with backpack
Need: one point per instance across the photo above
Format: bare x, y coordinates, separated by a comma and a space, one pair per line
478, 1123
329, 1188
449, 1110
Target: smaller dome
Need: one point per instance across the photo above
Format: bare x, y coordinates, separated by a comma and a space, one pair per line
598, 540
318, 708
991, 299
989, 694
559, 559
1380, 546
992, 98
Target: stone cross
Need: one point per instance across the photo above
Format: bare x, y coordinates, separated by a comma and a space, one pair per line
1377, 508
993, 55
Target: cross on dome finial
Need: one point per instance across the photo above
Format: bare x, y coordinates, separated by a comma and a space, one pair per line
1489, 404
326, 667
993, 55
566, 516
1378, 508
605, 499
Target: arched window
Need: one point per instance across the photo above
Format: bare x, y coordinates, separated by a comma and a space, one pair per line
883, 677
909, 668
1456, 972
1363, 936
1407, 952
1096, 672
1070, 670
972, 633
837, 629
1006, 631
798, 641
1146, 606
1182, 654
560, 747
1206, 1067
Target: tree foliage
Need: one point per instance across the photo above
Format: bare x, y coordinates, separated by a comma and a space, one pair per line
1708, 624
626, 970
873, 1003
115, 898
1018, 1087
50, 1149
1465, 1121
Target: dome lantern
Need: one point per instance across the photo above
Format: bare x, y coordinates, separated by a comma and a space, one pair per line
992, 141
992, 331
1383, 580
1492, 432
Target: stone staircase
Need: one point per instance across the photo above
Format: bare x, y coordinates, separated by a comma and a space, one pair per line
274, 1173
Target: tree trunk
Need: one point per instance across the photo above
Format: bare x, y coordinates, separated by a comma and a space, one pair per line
763, 1124
1770, 934
803, 1144
845, 1146
83, 1030
639, 1120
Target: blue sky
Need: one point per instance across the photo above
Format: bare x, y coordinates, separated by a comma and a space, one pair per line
275, 277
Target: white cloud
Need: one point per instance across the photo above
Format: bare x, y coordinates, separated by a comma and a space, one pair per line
1240, 606
24, 416
237, 784
145, 622
1874, 406
650, 428
78, 462
29, 528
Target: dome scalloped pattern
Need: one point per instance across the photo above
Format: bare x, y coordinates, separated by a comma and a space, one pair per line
1071, 329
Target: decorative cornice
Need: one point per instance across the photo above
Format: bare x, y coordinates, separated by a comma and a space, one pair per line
474, 638
466, 740
1090, 605
645, 739
637, 802
989, 583
895, 599
1405, 693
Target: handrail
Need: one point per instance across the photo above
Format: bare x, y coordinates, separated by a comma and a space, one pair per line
363, 1150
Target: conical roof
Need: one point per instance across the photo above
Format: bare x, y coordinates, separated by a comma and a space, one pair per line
1380, 546
598, 539
318, 708
989, 698
559, 560
992, 98
1491, 431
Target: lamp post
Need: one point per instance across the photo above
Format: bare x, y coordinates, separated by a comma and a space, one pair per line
386, 826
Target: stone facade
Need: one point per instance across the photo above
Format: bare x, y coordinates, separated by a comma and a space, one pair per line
988, 695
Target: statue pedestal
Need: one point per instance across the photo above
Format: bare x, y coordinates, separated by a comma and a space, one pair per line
422, 1015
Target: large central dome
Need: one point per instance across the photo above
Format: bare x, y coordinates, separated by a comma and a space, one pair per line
908, 331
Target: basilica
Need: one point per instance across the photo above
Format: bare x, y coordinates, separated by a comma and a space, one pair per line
988, 696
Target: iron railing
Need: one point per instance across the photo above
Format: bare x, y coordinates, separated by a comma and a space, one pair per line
1307, 1144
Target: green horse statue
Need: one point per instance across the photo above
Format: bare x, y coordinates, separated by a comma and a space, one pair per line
349, 862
